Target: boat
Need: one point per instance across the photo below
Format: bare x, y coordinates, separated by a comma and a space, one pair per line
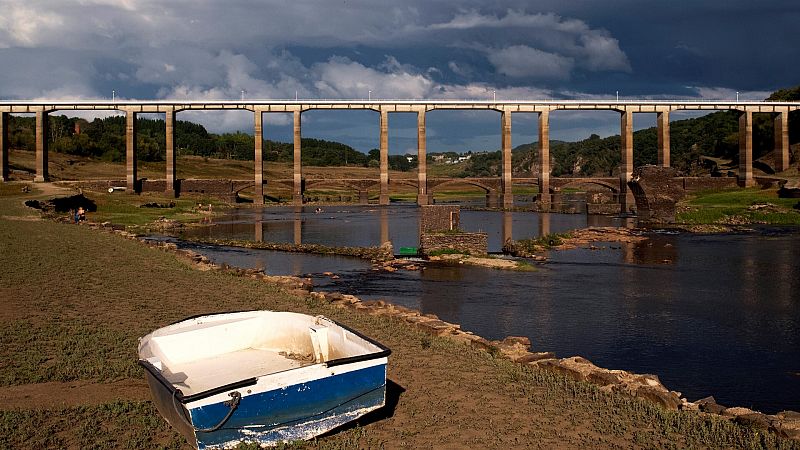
261, 377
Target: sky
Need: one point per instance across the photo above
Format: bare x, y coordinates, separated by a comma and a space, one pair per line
409, 49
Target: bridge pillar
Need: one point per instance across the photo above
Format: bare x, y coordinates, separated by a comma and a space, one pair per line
384, 149
258, 157
297, 189
746, 149
626, 198
4, 147
662, 124
169, 141
42, 173
131, 179
544, 159
423, 198
508, 193
781, 127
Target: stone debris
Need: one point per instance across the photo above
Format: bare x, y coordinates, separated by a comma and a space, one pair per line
657, 190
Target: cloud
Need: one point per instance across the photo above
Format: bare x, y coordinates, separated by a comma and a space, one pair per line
558, 44
522, 61
341, 78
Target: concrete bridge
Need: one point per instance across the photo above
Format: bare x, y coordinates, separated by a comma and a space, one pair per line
626, 109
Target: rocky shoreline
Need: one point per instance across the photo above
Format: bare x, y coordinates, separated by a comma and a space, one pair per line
518, 349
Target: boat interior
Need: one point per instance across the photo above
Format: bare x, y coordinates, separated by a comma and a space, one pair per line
203, 353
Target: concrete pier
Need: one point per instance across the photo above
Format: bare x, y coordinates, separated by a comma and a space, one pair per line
746, 149
626, 198
4, 147
505, 137
662, 130
544, 158
781, 129
42, 173
384, 163
258, 157
297, 189
131, 180
169, 141
422, 160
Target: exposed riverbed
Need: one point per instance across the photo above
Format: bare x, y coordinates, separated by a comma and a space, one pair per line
711, 315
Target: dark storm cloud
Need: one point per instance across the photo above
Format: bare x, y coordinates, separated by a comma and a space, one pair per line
462, 49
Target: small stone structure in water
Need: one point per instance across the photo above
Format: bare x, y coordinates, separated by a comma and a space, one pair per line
439, 232
656, 190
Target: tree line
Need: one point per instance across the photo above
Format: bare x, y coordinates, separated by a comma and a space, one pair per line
104, 138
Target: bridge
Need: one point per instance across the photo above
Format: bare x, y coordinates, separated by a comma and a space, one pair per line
626, 109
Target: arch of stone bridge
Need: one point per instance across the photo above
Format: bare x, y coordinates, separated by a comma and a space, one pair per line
240, 186
614, 188
356, 185
487, 186
402, 182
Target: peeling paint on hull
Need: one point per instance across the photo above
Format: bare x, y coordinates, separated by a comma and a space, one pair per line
296, 412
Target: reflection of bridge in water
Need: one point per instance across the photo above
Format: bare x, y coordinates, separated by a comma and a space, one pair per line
498, 190
507, 229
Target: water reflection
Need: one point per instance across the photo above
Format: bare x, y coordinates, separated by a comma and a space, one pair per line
372, 226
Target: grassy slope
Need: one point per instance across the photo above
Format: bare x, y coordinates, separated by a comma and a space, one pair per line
736, 206
76, 300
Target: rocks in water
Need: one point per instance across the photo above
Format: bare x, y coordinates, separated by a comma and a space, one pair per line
656, 190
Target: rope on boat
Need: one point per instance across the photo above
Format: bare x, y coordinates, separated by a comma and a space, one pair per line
233, 403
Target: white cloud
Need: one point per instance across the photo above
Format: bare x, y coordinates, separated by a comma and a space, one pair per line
342, 78
523, 61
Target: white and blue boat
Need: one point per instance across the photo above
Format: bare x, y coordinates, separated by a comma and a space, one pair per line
261, 376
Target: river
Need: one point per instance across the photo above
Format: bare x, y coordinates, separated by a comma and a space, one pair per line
709, 314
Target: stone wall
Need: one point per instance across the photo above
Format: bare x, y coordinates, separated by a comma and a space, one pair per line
475, 244
439, 218
222, 189
693, 184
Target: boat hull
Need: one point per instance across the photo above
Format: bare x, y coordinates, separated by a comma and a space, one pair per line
290, 405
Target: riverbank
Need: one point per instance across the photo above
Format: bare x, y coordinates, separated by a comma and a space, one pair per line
78, 300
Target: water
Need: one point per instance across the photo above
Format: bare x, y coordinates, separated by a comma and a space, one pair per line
364, 226
710, 315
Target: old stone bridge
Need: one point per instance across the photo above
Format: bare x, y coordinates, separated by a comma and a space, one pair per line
500, 188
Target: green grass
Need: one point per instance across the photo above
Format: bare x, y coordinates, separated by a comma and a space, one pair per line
734, 207
543, 242
120, 208
447, 251
120, 424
